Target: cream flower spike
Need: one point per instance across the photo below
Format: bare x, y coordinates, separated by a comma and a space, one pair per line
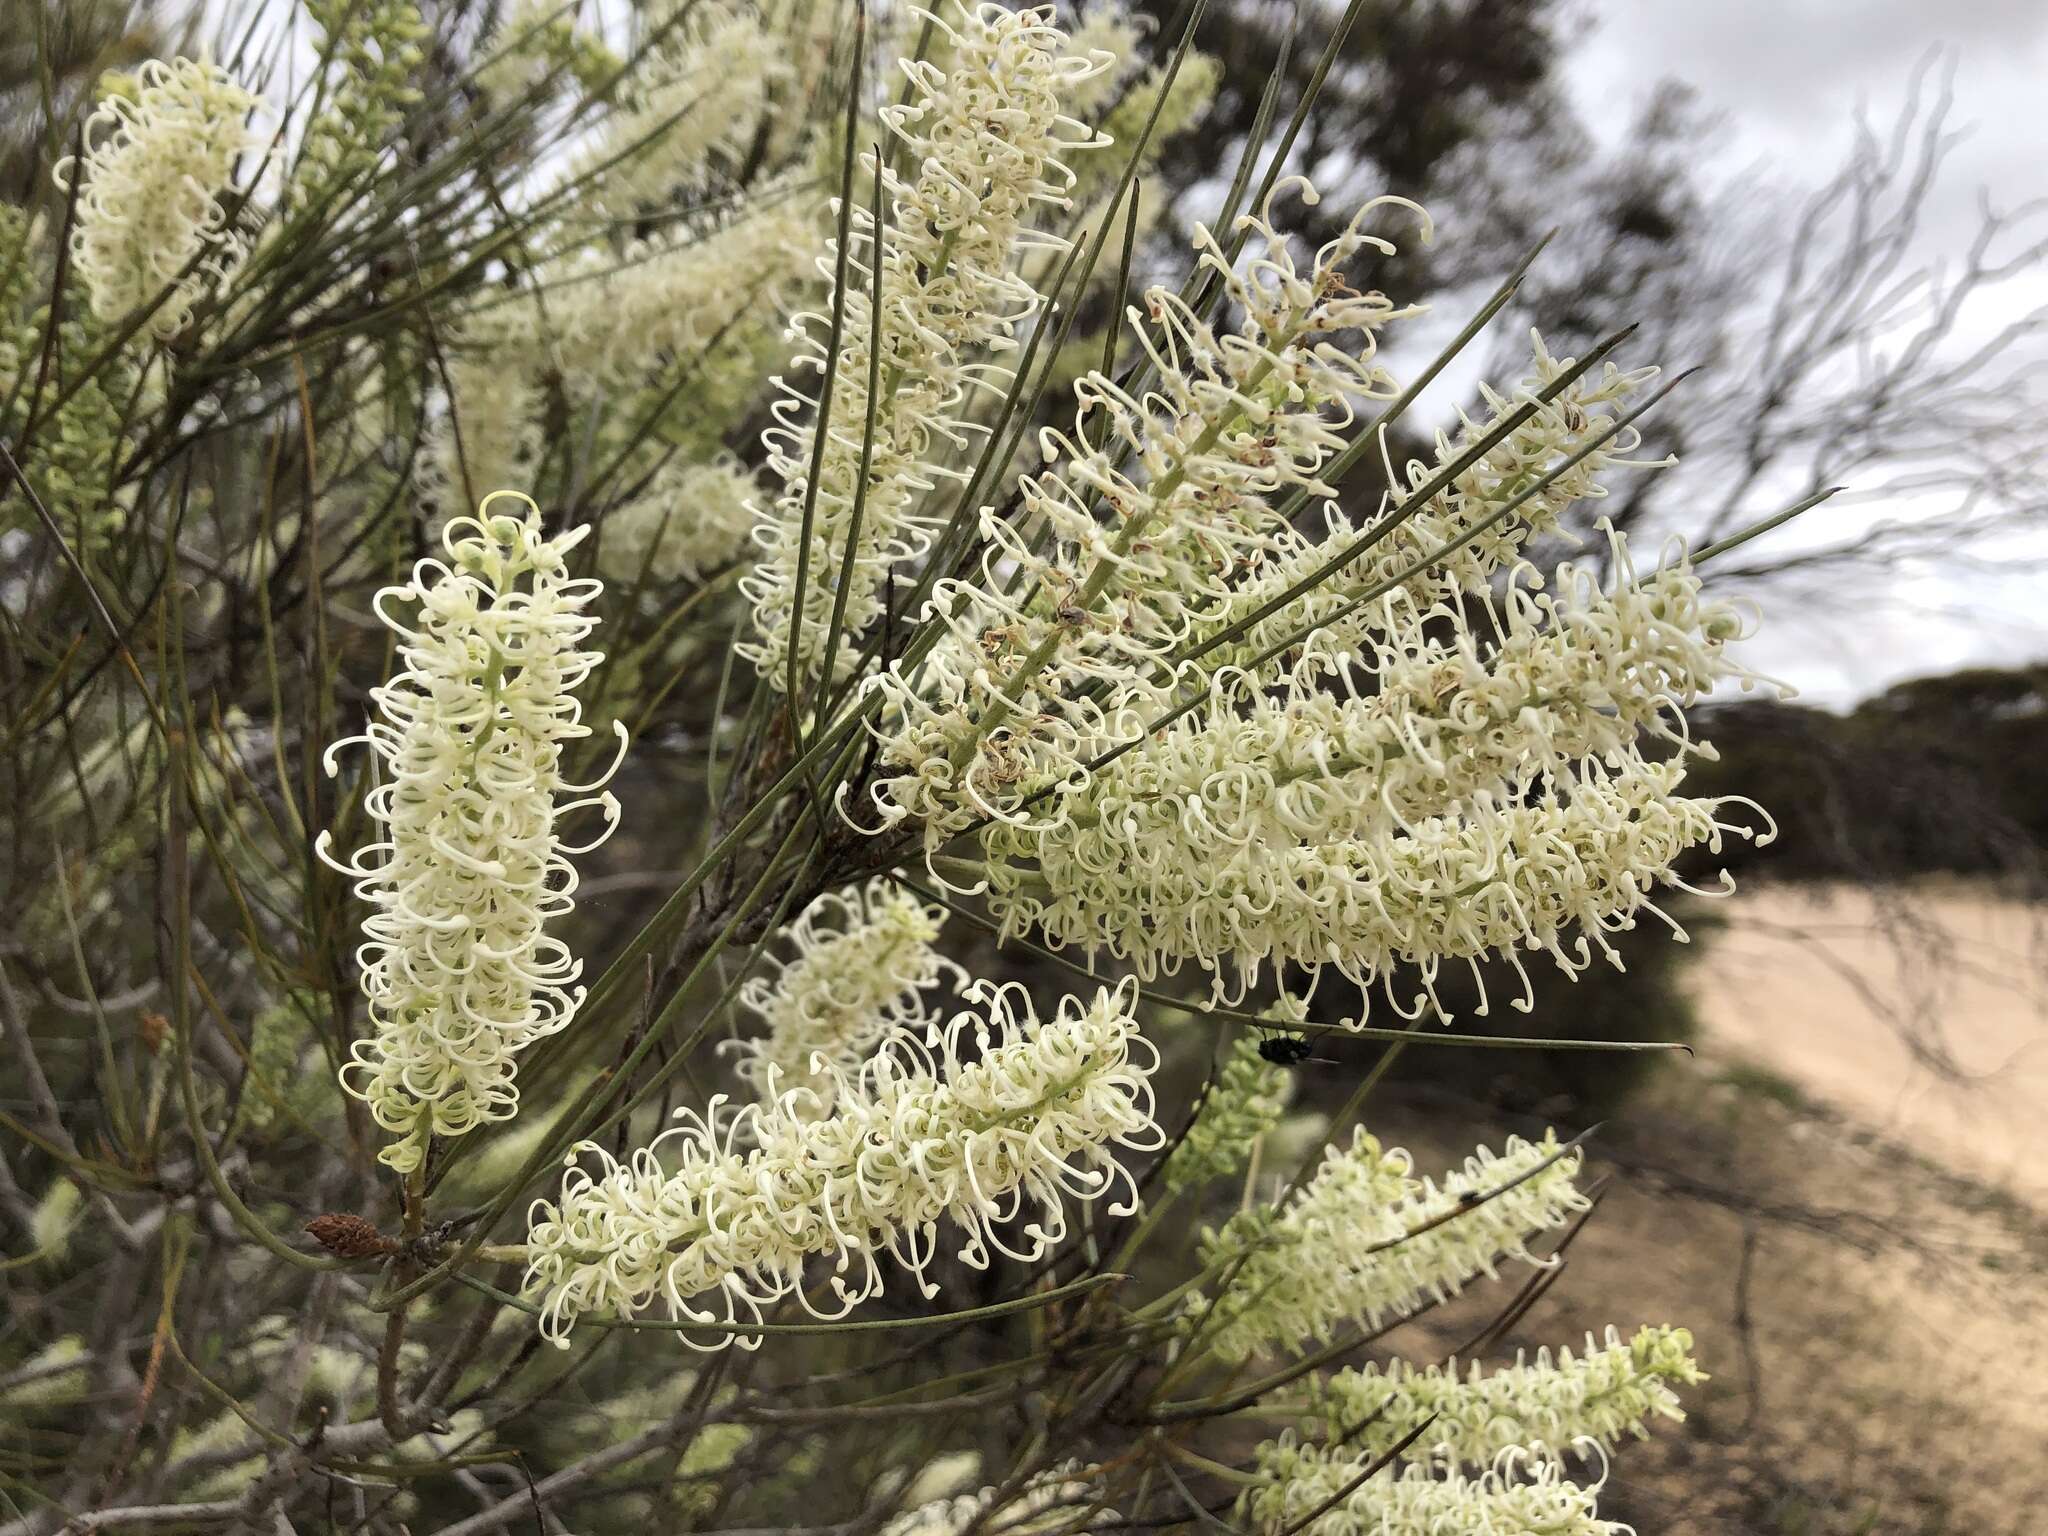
984, 136
1546, 1407
602, 320
1293, 1481
731, 1205
1362, 1241
698, 89
593, 325
470, 866
1213, 872
150, 216
1405, 557
1460, 720
1156, 504
864, 962
690, 520
489, 434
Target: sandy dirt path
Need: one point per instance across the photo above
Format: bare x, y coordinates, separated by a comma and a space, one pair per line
1921, 1014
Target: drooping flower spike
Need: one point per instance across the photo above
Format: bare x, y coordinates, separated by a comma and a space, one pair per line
1468, 788
732, 1205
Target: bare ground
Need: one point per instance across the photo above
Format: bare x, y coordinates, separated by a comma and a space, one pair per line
1858, 1239
1920, 1014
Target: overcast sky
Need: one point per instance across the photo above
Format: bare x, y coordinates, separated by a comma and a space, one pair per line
1787, 77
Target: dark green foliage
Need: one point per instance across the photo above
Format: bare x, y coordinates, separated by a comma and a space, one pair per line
1937, 775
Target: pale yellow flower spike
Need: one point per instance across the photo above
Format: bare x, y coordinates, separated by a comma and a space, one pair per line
984, 136
1363, 1241
150, 215
470, 867
731, 1206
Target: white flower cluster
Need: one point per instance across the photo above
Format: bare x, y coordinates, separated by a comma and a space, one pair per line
1545, 1407
1521, 877
698, 87
1511, 1499
598, 325
537, 53
603, 321
489, 439
150, 224
1363, 1241
864, 960
1158, 505
689, 520
1479, 797
470, 865
735, 1208
983, 135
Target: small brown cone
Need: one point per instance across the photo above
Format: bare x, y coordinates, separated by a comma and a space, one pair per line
349, 1237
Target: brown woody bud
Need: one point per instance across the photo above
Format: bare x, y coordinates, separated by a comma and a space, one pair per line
349, 1237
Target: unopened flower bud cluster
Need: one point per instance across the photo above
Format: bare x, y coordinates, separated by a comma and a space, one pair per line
1246, 1101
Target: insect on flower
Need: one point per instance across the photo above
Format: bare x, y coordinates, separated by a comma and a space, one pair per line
1286, 1050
